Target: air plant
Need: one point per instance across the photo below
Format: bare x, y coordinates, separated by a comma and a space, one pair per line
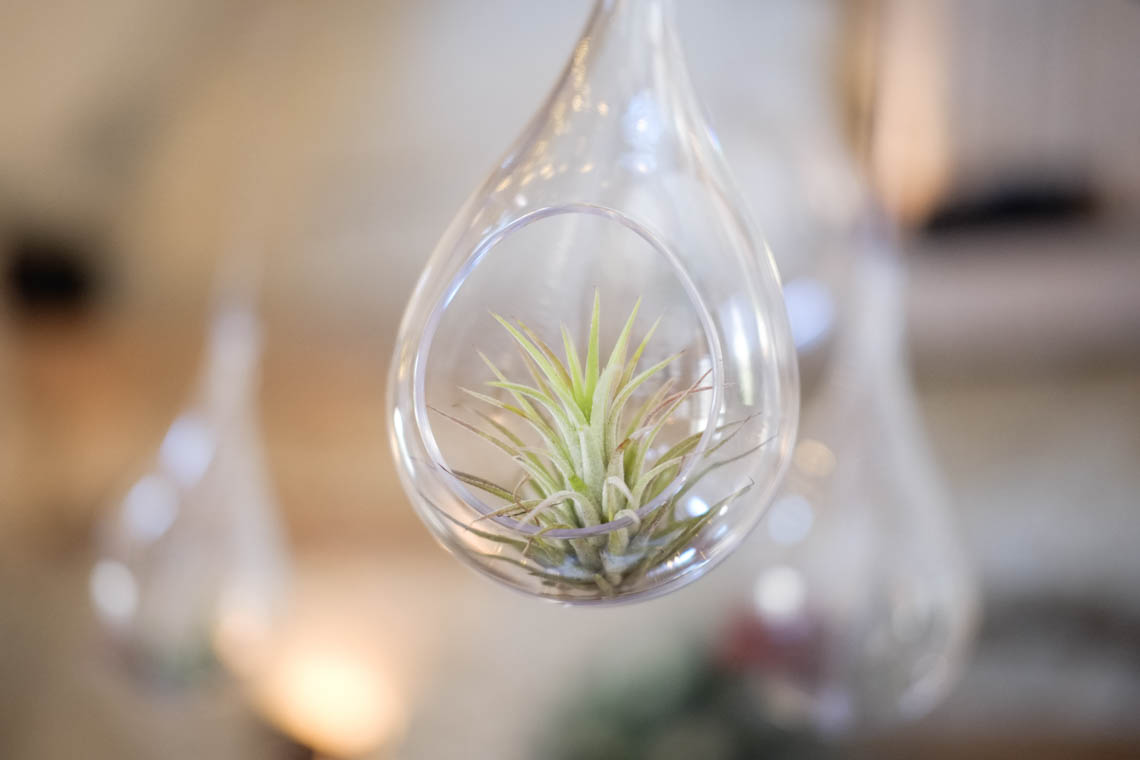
598, 460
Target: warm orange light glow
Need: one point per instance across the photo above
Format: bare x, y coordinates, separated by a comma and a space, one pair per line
325, 670
814, 458
334, 699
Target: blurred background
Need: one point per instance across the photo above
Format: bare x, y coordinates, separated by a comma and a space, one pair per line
212, 214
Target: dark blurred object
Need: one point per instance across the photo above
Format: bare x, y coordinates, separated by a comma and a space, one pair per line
750, 644
1015, 203
49, 271
970, 94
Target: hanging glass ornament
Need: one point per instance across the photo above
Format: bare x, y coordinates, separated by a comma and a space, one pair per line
864, 609
594, 390
192, 567
191, 561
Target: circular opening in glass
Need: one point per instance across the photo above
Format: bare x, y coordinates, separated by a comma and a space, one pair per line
543, 272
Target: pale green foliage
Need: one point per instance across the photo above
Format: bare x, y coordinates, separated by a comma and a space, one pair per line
595, 462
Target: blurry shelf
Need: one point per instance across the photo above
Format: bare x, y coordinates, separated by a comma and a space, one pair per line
1025, 300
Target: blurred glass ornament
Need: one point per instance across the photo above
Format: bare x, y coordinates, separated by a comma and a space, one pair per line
192, 557
193, 569
617, 189
863, 612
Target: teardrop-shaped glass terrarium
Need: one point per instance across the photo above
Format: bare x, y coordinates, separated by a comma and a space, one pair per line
594, 390
192, 563
866, 603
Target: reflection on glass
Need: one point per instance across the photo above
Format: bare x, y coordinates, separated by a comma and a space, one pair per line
811, 311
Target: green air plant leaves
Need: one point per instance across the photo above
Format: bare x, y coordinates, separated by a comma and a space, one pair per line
594, 463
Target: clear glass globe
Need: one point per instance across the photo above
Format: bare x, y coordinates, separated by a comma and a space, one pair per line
594, 391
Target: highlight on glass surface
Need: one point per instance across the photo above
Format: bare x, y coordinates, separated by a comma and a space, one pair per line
594, 390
